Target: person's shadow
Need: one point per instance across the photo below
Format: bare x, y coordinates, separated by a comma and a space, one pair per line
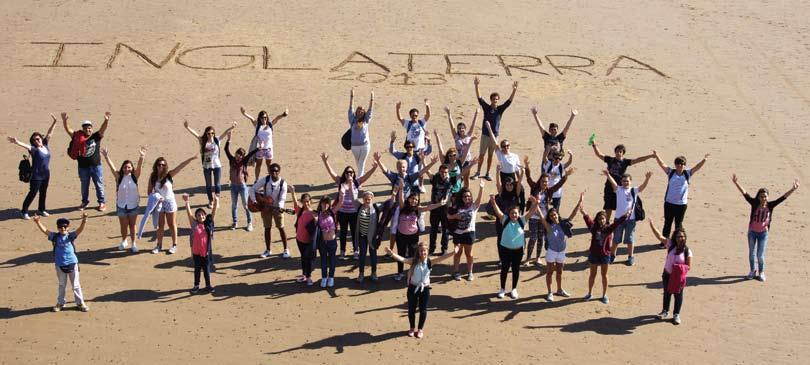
340, 342
8, 313
604, 325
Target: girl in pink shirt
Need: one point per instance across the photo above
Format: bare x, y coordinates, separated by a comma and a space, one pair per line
676, 265
304, 229
202, 236
407, 223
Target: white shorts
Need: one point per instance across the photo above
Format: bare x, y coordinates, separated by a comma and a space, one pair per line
555, 257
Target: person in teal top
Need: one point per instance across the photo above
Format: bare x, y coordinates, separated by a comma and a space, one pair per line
65, 260
510, 248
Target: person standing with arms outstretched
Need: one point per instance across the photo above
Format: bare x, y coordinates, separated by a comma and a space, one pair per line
127, 196
209, 154
759, 224
492, 114
67, 264
415, 128
359, 120
675, 198
84, 148
263, 139
550, 135
626, 199
40, 168
617, 165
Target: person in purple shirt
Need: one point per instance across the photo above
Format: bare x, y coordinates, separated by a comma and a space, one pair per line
492, 114
40, 171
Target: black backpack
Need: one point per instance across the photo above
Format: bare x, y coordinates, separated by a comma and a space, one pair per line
346, 140
25, 169
638, 209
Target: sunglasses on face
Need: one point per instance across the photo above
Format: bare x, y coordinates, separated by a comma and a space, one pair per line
505, 146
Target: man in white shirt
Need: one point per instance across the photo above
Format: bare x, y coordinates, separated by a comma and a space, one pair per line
275, 188
626, 199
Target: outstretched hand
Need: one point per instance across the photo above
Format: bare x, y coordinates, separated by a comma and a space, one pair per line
324, 156
64, 116
574, 112
11, 139
142, 151
54, 118
107, 116
796, 184
104, 151
185, 197
535, 110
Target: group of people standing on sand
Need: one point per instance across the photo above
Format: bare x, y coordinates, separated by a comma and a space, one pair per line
526, 207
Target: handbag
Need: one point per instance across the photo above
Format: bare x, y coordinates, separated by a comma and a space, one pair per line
346, 140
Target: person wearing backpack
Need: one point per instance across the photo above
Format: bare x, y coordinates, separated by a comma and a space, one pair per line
263, 138
201, 241
555, 169
305, 224
677, 264
418, 292
67, 264
349, 183
407, 223
209, 155
274, 188
557, 232
678, 181
84, 148
759, 225
127, 195
510, 243
627, 199
39, 173
415, 128
359, 119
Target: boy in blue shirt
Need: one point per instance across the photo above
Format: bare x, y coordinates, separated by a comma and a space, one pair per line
66, 262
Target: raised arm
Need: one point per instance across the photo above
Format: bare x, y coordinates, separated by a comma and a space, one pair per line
362, 180
399, 113
228, 148
82, 225
439, 142
188, 210
528, 169
13, 140
643, 185
570, 159
571, 117
641, 159
578, 207
656, 232
700, 164
427, 110
492, 135
141, 156
280, 116
427, 167
792, 189
537, 120
610, 180
370, 103
227, 132
176, 170
377, 157
190, 130
108, 160
391, 149
467, 147
737, 184
475, 118
498, 185
325, 159
476, 81
495, 207
447, 255
536, 209
597, 152
39, 225
451, 121
351, 100
661, 163
245, 114
65, 125
291, 189
49, 133
103, 128
480, 194
216, 206
514, 91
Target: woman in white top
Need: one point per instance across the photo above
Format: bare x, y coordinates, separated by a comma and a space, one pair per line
464, 213
462, 139
209, 151
126, 204
419, 284
263, 139
160, 181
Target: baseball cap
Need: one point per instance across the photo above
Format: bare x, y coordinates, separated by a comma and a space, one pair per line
87, 122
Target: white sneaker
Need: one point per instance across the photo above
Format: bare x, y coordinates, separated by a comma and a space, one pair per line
501, 294
514, 293
761, 277
662, 315
173, 249
470, 277
330, 282
285, 254
26, 216
123, 246
156, 249
751, 275
265, 254
323, 283
676, 319
134, 248
250, 227
44, 214
550, 297
233, 226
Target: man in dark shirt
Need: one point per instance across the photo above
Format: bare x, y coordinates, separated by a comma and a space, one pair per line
492, 114
616, 165
89, 158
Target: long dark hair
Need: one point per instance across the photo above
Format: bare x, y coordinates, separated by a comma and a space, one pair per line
407, 208
459, 203
674, 243
153, 177
121, 173
204, 138
343, 178
598, 226
36, 134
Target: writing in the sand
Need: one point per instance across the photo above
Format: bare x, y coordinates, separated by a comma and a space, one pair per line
396, 68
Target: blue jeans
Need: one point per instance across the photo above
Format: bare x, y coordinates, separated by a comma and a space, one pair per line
328, 250
365, 247
757, 242
239, 193
96, 174
216, 175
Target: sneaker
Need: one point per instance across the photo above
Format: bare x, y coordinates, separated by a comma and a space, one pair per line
134, 248
330, 282
514, 293
487, 177
83, 307
156, 249
265, 254
233, 226
250, 227
123, 246
195, 290
475, 176
102, 207
300, 279
83, 206
43, 213
456, 276
662, 315
173, 249
210, 289
605, 299
360, 278
550, 297
470, 277
374, 277
562, 293
398, 276
751, 275
588, 297
631, 261
210, 205
323, 283
676, 319
501, 294
420, 334
761, 277
309, 282
356, 255
58, 307
26, 216
411, 332
285, 254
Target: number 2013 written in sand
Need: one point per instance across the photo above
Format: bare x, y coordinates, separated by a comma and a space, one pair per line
411, 68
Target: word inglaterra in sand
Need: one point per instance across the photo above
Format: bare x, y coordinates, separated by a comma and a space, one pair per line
397, 68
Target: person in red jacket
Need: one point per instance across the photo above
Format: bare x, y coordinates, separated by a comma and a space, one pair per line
601, 238
677, 254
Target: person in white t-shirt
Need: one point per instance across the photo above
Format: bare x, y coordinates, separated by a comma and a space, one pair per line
626, 199
415, 128
209, 152
263, 138
126, 204
462, 139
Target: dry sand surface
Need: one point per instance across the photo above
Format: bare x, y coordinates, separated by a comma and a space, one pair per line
729, 79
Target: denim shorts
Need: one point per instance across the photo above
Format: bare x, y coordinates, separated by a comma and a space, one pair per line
126, 212
625, 232
466, 238
596, 260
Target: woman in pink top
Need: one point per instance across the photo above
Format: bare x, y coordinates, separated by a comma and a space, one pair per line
408, 223
202, 236
759, 224
326, 217
304, 229
677, 254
